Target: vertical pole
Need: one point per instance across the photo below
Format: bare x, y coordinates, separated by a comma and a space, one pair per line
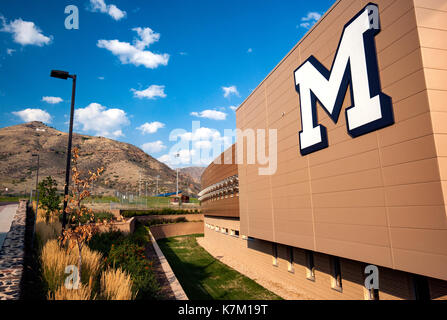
37, 184
70, 138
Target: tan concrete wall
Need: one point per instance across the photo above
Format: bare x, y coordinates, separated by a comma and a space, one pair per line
176, 229
126, 227
188, 217
378, 198
257, 257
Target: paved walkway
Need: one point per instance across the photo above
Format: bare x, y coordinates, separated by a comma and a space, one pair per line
6, 214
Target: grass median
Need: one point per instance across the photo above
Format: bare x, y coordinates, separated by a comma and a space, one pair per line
205, 278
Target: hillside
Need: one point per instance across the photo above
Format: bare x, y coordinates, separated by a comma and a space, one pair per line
126, 167
194, 172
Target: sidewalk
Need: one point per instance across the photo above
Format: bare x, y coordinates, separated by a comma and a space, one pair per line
6, 215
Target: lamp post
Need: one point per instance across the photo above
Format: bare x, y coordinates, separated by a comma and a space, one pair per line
65, 75
37, 181
177, 156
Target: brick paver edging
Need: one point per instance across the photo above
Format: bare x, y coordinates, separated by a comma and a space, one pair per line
12, 256
173, 282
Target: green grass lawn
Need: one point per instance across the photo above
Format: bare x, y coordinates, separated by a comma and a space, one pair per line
204, 277
11, 199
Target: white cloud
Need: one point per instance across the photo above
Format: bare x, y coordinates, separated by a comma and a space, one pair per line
229, 91
202, 133
25, 32
184, 157
151, 127
10, 51
308, 21
311, 16
153, 147
197, 147
151, 92
234, 108
112, 10
28, 115
135, 53
210, 114
250, 50
165, 159
101, 121
52, 100
203, 144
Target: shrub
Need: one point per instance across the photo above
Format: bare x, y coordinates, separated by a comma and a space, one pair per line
96, 217
102, 242
164, 221
130, 257
116, 284
127, 253
47, 231
49, 199
164, 211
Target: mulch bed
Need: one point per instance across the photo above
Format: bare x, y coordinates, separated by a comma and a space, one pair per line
166, 292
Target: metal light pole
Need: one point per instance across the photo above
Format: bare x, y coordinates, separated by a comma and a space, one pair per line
37, 181
177, 156
65, 75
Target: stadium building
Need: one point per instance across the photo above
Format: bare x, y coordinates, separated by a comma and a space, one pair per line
360, 182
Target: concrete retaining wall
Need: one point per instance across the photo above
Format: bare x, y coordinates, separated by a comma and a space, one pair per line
188, 217
126, 227
176, 229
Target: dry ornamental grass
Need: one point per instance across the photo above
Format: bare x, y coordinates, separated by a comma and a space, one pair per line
55, 259
82, 293
116, 285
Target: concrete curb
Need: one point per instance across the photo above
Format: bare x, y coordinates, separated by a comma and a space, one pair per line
173, 282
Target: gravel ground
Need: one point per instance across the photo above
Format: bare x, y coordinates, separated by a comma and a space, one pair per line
166, 291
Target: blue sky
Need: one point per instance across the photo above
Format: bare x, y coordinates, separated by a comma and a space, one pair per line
144, 67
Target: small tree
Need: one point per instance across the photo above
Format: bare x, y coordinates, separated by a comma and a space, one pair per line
80, 227
49, 199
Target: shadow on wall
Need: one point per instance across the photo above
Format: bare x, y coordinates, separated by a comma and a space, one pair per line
2, 238
392, 283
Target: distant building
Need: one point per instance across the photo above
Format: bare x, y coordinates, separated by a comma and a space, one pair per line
182, 197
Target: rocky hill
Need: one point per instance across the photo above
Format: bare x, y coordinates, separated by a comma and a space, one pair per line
126, 167
194, 172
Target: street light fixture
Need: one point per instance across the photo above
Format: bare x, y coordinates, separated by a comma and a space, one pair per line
65, 75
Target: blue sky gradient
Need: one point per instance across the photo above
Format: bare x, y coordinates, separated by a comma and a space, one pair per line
211, 44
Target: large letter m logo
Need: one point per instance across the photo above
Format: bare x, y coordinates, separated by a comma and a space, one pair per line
355, 63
